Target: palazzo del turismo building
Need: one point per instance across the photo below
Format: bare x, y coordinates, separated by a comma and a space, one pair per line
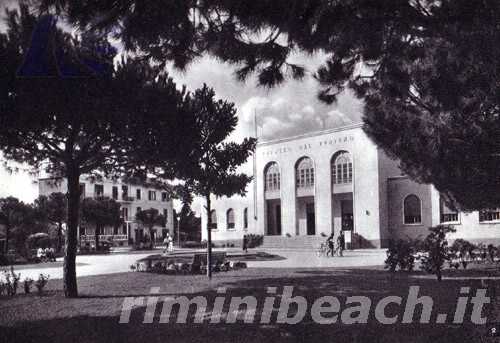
308, 186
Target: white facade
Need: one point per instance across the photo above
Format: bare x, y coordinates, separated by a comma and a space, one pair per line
132, 199
335, 180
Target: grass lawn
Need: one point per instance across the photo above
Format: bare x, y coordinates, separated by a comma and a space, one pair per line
94, 317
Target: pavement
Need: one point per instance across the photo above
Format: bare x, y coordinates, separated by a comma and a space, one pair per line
119, 261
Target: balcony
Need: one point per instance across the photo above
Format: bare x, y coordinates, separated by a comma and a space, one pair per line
91, 238
126, 198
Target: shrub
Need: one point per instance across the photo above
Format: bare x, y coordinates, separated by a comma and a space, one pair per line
27, 285
492, 252
204, 244
4, 260
463, 250
41, 282
254, 240
400, 254
192, 244
435, 248
11, 281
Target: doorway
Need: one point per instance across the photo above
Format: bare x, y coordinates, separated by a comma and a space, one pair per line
347, 215
311, 220
273, 225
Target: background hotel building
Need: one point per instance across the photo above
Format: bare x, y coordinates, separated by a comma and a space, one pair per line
132, 199
311, 185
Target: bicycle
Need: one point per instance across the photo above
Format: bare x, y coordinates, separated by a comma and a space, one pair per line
322, 250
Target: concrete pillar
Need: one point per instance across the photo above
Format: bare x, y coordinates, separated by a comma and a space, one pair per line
323, 195
288, 199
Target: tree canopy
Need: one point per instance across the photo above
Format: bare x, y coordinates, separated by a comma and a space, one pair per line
19, 221
66, 107
101, 212
53, 209
212, 166
150, 218
426, 69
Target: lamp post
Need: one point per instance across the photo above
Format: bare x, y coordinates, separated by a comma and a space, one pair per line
179, 230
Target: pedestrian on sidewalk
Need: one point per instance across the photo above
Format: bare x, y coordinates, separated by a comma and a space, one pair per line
341, 243
245, 243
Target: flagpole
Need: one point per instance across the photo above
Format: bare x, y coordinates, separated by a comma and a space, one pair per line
255, 169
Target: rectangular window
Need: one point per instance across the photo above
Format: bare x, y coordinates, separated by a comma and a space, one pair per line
138, 209
164, 196
125, 192
115, 193
152, 195
447, 214
489, 215
125, 213
82, 190
165, 214
98, 191
138, 193
413, 219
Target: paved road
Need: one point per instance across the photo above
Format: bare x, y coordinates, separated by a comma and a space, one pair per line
120, 262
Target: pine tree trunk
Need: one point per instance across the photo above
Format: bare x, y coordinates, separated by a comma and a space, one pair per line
69, 270
59, 237
97, 230
151, 238
7, 236
209, 238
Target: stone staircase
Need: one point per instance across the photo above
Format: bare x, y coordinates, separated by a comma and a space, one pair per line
309, 243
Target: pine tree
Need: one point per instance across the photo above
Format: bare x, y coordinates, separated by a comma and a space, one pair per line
426, 69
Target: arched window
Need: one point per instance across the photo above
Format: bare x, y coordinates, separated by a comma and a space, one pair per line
272, 177
213, 216
412, 210
304, 173
342, 168
245, 218
230, 218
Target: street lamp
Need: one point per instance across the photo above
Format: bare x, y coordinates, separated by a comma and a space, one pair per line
179, 230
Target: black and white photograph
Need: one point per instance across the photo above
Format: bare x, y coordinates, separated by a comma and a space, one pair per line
249, 171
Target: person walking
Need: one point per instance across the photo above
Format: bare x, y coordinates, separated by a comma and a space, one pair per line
245, 243
330, 241
170, 243
340, 243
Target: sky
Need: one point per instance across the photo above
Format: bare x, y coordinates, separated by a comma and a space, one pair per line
283, 111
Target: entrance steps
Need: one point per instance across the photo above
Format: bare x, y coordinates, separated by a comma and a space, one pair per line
292, 243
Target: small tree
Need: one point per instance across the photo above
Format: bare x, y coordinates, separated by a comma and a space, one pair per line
101, 212
400, 254
435, 248
213, 162
54, 209
150, 218
15, 216
189, 224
